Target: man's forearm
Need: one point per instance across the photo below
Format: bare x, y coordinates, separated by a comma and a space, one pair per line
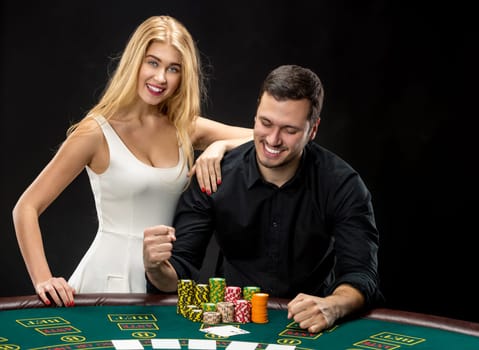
163, 277
347, 300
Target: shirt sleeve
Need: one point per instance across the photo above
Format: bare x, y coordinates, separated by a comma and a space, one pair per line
193, 223
356, 238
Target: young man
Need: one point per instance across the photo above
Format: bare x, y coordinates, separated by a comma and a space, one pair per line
290, 216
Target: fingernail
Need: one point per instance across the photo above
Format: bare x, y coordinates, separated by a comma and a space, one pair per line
218, 182
47, 302
203, 189
208, 192
72, 303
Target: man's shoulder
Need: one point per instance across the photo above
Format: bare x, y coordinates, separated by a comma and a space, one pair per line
238, 156
326, 159
321, 154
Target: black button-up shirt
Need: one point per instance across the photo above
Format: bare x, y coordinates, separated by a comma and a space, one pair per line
309, 235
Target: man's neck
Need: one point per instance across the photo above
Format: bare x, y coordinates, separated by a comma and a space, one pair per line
281, 174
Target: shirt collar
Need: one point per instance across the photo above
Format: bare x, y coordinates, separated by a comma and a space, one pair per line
252, 171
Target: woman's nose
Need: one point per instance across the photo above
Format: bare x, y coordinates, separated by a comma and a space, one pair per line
161, 76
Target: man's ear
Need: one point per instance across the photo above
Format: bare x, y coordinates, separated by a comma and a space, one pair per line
314, 129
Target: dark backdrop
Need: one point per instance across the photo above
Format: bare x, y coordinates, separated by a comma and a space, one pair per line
397, 107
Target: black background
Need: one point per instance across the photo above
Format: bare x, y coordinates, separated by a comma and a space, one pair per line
399, 85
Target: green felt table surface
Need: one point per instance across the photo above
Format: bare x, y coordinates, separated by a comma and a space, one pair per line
93, 327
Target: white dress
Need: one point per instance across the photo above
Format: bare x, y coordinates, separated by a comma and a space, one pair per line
129, 196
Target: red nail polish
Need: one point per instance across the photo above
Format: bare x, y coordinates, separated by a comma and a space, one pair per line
47, 302
218, 182
208, 192
203, 189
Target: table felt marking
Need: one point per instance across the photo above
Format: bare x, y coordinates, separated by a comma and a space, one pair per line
131, 317
127, 344
42, 321
143, 335
165, 344
137, 325
397, 338
299, 333
58, 330
9, 347
371, 344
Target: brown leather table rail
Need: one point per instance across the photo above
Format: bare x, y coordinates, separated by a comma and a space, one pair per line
383, 314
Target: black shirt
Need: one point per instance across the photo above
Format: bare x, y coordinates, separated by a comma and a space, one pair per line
309, 235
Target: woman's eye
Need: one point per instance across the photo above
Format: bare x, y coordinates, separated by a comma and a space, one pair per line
153, 63
174, 69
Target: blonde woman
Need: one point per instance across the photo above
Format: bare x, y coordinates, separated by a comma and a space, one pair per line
137, 146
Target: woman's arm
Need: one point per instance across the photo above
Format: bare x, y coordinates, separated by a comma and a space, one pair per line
76, 152
207, 131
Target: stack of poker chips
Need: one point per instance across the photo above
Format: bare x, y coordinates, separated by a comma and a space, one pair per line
193, 313
215, 302
190, 298
185, 295
217, 289
232, 293
211, 317
242, 311
249, 291
202, 294
227, 311
208, 306
259, 308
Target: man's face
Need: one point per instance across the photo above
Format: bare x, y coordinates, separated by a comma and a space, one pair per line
281, 131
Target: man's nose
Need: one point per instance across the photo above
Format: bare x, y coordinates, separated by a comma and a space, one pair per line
274, 138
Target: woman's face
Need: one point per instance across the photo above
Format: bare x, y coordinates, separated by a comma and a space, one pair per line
160, 73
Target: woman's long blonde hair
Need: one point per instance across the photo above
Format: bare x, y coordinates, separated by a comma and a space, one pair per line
184, 105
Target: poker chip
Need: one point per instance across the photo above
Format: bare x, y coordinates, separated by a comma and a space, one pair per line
185, 295
242, 311
208, 306
187, 309
227, 311
249, 291
196, 315
232, 293
259, 308
211, 317
202, 293
217, 289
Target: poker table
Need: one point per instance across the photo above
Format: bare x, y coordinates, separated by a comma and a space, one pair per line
97, 319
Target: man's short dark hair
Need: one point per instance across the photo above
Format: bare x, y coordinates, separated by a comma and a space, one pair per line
292, 82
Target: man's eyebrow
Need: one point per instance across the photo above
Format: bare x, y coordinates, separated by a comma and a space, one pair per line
264, 118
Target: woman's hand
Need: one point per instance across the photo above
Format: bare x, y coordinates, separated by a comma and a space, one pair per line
207, 167
58, 289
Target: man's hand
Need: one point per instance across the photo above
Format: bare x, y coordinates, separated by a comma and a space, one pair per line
316, 314
312, 313
157, 246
